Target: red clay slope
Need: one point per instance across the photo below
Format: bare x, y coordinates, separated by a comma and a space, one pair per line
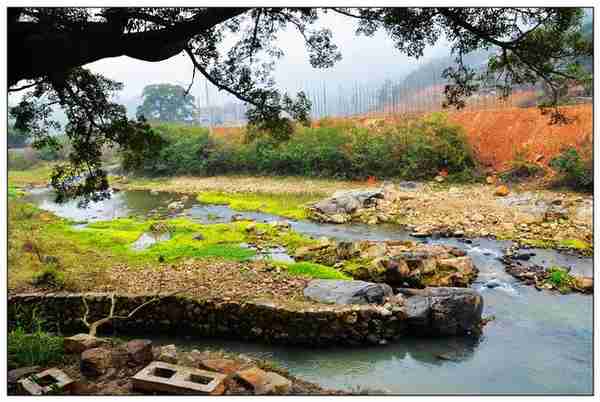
497, 135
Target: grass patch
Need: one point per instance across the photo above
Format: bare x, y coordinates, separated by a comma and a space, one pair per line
560, 278
287, 205
14, 192
29, 345
38, 175
316, 271
47, 251
572, 244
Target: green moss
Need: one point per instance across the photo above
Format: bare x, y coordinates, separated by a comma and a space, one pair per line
560, 279
575, 244
14, 192
287, 205
316, 271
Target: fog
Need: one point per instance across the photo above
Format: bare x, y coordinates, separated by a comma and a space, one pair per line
365, 60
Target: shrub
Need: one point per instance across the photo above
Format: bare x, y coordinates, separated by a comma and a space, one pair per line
49, 276
522, 169
561, 279
577, 172
33, 347
414, 150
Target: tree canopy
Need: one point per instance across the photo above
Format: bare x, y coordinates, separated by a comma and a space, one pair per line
47, 48
166, 102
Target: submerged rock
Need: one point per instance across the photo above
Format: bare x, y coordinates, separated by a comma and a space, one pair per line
347, 292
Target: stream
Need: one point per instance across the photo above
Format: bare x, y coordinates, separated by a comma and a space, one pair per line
539, 343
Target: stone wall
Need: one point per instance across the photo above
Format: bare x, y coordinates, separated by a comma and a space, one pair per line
423, 314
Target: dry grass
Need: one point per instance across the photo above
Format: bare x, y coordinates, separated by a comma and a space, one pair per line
245, 184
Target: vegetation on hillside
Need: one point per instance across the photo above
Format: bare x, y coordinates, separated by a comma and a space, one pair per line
416, 149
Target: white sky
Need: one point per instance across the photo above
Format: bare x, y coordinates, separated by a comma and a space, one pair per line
365, 59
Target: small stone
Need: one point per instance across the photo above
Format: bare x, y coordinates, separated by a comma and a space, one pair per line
140, 351
439, 179
225, 366
168, 354
502, 191
584, 283
198, 236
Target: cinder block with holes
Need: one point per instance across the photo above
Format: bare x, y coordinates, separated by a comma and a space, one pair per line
173, 379
44, 382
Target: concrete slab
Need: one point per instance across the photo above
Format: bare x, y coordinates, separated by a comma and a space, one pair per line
45, 382
173, 379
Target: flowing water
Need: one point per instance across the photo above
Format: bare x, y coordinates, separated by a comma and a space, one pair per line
539, 342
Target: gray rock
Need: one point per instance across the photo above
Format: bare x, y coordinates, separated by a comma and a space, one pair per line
168, 354
347, 292
198, 236
493, 283
443, 310
344, 203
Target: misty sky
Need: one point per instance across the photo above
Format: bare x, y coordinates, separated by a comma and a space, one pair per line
365, 59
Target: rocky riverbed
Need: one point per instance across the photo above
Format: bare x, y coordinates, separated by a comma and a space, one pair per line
541, 218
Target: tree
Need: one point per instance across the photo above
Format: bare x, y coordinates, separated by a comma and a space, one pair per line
166, 102
47, 48
16, 138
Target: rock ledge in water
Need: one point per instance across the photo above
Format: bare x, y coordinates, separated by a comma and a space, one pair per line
347, 292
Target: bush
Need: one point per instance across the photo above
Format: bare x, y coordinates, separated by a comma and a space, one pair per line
36, 348
49, 276
415, 150
522, 169
577, 172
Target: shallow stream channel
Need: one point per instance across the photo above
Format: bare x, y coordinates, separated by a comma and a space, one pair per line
540, 342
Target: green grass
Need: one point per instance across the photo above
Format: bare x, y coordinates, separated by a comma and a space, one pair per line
560, 278
37, 175
36, 349
14, 192
573, 244
316, 271
83, 255
287, 205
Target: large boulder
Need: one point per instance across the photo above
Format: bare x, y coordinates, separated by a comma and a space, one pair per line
340, 207
443, 310
347, 292
95, 362
140, 351
82, 342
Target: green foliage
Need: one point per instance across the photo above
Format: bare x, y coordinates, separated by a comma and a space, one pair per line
560, 278
36, 348
316, 271
577, 172
413, 150
167, 103
521, 169
16, 138
14, 192
49, 276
